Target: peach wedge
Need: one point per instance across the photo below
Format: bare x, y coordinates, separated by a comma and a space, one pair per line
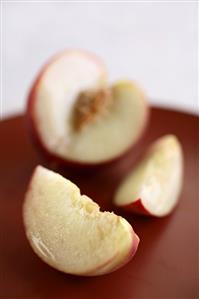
69, 232
153, 187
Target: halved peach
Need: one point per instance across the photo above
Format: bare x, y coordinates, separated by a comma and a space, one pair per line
77, 118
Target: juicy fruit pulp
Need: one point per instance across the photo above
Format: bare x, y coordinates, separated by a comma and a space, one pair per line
67, 230
76, 117
153, 187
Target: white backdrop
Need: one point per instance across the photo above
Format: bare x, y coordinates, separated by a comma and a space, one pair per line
153, 43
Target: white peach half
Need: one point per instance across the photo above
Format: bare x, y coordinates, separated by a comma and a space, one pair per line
154, 186
68, 231
78, 118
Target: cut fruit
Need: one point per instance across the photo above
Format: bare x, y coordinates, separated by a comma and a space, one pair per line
77, 119
68, 231
154, 186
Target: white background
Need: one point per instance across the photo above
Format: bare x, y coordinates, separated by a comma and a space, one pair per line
153, 43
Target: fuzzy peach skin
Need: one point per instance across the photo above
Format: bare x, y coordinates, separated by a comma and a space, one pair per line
49, 108
68, 231
154, 186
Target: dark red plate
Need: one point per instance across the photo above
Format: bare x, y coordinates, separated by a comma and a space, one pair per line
166, 263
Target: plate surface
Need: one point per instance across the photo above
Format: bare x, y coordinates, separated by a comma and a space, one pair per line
165, 265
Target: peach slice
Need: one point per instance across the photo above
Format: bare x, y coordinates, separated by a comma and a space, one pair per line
77, 119
68, 231
153, 187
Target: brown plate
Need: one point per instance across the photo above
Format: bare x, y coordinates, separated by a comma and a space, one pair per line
165, 266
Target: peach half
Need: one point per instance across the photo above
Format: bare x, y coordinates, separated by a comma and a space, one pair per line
77, 119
